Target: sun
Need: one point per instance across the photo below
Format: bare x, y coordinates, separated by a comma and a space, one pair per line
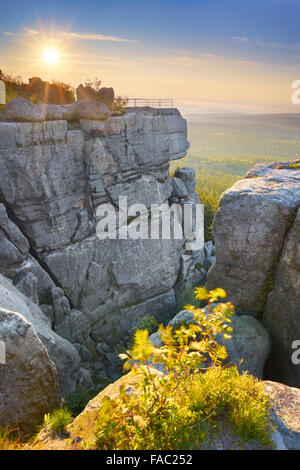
50, 55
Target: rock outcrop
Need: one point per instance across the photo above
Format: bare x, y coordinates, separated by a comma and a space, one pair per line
256, 234
285, 402
63, 354
22, 110
55, 174
250, 345
28, 379
104, 95
282, 314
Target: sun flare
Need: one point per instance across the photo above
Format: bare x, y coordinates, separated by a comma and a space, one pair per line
50, 55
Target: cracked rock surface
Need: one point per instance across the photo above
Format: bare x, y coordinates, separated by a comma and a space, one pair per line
256, 232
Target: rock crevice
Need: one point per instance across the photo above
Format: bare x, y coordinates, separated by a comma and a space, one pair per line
256, 233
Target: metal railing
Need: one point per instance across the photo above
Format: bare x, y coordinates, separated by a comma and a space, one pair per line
149, 103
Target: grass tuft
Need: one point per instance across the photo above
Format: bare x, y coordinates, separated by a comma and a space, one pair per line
57, 422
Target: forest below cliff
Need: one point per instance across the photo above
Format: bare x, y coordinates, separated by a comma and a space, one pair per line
223, 147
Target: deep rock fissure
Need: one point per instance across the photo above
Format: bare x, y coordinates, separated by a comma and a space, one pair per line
273, 369
32, 251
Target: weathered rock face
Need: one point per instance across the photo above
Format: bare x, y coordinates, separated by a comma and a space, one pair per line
285, 403
282, 314
256, 233
54, 177
249, 231
104, 95
63, 354
23, 110
28, 379
250, 345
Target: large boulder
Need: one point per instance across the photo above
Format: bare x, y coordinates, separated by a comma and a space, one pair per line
28, 379
188, 177
107, 96
281, 316
104, 95
21, 109
256, 233
249, 231
249, 347
62, 352
84, 109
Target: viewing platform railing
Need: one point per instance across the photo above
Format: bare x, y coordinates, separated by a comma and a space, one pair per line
151, 102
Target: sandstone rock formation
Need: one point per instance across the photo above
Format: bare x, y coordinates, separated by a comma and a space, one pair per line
249, 230
250, 345
58, 93
104, 95
63, 354
285, 403
256, 234
22, 110
281, 316
89, 292
28, 380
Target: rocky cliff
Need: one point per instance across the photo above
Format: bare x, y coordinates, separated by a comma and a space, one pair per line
256, 234
82, 295
70, 300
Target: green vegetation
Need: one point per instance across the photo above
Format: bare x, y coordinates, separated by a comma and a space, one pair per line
291, 220
185, 297
148, 322
197, 403
190, 404
224, 147
56, 422
58, 92
10, 439
16, 87
267, 287
77, 401
119, 104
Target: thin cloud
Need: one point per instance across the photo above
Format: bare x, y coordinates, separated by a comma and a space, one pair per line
239, 39
277, 45
31, 32
202, 58
71, 35
81, 36
94, 37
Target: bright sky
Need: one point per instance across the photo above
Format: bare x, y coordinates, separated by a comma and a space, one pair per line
207, 55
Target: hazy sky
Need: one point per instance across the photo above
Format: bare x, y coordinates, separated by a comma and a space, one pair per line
220, 55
